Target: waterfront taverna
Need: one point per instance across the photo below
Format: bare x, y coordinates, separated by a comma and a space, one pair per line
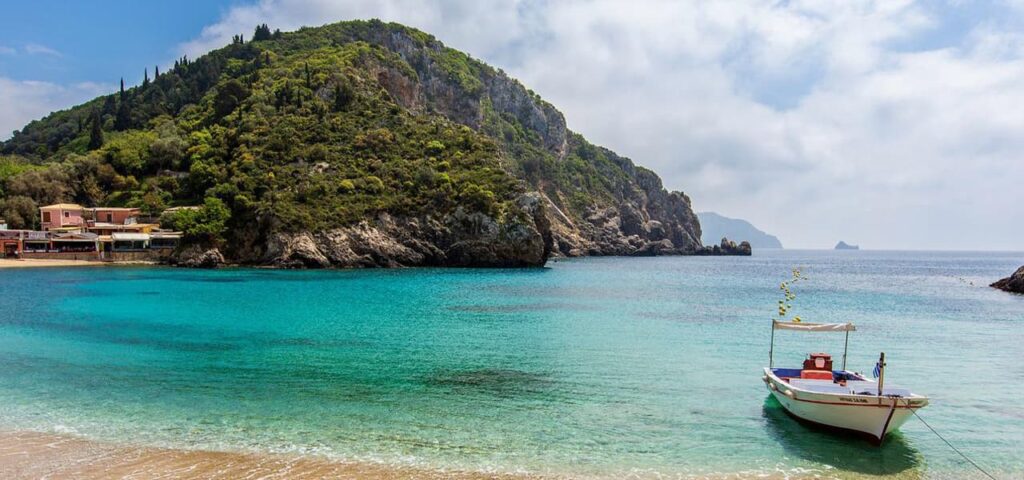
73, 232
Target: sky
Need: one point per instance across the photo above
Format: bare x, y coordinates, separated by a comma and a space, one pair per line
892, 124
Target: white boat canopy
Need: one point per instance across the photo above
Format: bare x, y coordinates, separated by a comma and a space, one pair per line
810, 327
814, 327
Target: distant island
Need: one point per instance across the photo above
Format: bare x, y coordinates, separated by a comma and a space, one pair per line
846, 246
715, 227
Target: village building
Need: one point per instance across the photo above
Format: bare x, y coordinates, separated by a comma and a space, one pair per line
101, 233
164, 240
74, 242
62, 217
105, 221
10, 242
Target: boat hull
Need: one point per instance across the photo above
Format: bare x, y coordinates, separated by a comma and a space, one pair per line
870, 416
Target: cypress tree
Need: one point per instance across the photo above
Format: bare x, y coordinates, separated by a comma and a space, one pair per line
145, 78
262, 33
342, 96
122, 90
156, 71
109, 105
96, 132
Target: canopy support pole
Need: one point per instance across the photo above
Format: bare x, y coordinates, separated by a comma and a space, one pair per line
846, 346
881, 374
771, 349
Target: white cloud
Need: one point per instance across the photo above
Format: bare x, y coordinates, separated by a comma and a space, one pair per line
37, 49
22, 101
805, 117
5, 50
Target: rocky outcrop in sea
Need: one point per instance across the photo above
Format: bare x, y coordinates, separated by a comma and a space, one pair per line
1014, 283
197, 255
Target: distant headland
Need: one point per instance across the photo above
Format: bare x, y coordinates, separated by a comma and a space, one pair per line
846, 246
714, 227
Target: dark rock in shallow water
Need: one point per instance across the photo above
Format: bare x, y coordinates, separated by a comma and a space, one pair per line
197, 256
1014, 283
727, 247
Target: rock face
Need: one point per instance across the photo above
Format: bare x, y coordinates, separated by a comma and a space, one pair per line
845, 246
197, 256
1014, 283
641, 218
460, 240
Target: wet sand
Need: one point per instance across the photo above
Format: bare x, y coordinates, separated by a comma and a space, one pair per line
36, 262
32, 455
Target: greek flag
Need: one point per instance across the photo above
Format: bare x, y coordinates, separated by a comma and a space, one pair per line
878, 370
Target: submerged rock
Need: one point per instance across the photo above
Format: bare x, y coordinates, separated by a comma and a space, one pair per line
1014, 283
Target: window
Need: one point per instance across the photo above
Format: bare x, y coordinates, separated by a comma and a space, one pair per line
67, 214
110, 217
46, 217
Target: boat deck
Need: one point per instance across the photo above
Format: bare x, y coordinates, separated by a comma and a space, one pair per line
843, 383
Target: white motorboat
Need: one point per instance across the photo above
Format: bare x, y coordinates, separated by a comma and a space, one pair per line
838, 399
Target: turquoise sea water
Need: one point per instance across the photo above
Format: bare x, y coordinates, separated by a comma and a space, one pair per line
592, 367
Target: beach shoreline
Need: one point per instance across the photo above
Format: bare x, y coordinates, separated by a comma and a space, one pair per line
42, 263
29, 454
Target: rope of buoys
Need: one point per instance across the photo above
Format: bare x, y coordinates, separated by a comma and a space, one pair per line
957, 450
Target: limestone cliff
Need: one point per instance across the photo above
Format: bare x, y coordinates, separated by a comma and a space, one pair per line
628, 212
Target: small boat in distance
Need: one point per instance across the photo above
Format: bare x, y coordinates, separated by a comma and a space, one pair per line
838, 399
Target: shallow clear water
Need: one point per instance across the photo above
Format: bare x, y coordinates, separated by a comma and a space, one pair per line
591, 367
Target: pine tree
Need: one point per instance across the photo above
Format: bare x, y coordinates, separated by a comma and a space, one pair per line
96, 131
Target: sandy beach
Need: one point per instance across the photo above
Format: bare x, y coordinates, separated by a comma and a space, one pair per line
31, 455
35, 263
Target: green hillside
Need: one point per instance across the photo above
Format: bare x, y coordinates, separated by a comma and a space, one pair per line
325, 127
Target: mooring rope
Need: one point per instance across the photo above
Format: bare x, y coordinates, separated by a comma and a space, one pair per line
957, 450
